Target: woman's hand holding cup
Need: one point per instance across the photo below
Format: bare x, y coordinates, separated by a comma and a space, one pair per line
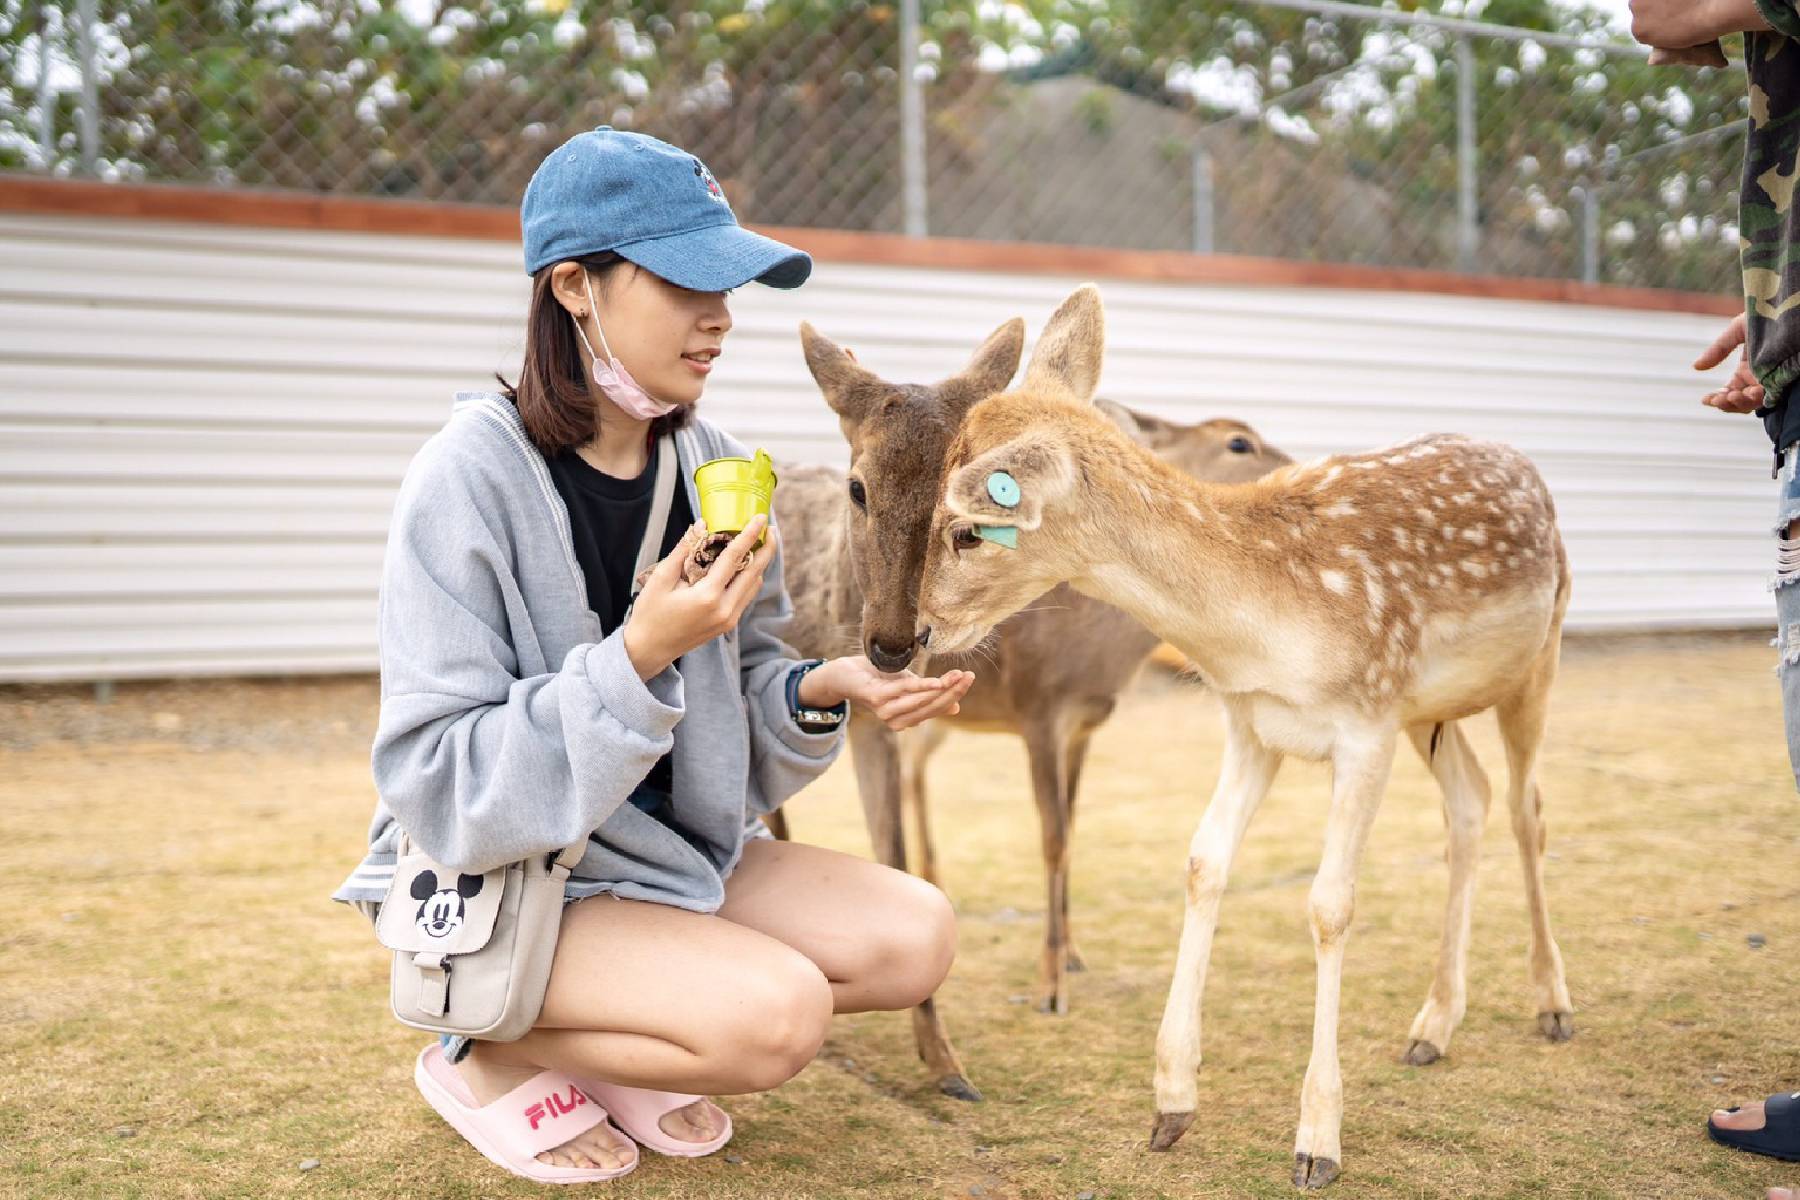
672, 616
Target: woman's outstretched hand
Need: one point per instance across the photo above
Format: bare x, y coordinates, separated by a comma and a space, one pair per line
900, 701
672, 616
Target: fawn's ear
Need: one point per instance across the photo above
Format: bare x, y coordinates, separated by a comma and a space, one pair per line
1140, 427
992, 368
1012, 484
1068, 352
847, 387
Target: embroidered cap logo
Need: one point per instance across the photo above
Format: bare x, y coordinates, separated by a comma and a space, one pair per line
712, 185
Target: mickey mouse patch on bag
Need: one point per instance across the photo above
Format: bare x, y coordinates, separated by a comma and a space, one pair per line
429, 907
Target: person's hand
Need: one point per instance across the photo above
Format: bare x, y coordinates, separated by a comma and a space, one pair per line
1707, 54
900, 701
672, 617
1741, 393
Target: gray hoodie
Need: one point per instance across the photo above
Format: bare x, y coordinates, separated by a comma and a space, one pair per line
510, 727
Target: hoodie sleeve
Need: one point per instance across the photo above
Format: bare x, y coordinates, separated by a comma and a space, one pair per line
479, 765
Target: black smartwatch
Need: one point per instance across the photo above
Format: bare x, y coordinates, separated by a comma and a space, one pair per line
813, 720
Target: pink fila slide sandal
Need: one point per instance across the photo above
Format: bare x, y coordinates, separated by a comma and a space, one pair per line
639, 1112
540, 1114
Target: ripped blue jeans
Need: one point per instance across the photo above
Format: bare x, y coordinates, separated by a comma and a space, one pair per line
1787, 602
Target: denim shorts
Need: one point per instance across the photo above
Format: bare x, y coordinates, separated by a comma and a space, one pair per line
1786, 585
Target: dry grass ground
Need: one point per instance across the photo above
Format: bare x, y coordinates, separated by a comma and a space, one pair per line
182, 1013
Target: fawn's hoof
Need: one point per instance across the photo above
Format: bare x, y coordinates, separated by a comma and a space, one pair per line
1422, 1053
1557, 1026
1310, 1172
1168, 1129
958, 1087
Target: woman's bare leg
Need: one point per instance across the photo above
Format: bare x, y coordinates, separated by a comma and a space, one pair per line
883, 938
652, 996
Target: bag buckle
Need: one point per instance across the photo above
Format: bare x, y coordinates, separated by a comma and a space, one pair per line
434, 982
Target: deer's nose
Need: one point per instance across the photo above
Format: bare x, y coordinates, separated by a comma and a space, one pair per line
887, 659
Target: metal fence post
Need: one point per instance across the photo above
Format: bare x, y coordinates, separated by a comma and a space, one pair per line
1590, 233
90, 100
1468, 233
1203, 200
46, 97
912, 123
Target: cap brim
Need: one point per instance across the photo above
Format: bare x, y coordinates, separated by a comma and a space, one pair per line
719, 258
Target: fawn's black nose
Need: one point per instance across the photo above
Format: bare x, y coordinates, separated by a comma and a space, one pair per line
887, 659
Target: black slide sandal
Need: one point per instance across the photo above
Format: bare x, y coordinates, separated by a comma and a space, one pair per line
1778, 1138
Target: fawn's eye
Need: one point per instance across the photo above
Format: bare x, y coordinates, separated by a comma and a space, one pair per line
964, 537
858, 496
1239, 445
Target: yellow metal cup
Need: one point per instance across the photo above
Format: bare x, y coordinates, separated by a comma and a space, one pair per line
732, 490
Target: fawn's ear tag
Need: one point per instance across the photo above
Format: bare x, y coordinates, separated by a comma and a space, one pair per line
1004, 489
1000, 535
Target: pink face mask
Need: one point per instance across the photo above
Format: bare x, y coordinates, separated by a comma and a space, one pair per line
614, 380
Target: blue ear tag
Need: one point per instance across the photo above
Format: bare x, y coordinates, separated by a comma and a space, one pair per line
1000, 535
1004, 489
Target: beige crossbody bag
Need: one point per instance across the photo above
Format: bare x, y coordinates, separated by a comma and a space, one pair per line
472, 952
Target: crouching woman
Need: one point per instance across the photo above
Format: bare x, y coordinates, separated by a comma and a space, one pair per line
530, 703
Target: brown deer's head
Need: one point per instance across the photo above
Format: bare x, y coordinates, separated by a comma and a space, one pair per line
898, 435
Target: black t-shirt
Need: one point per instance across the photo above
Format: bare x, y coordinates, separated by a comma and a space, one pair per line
606, 519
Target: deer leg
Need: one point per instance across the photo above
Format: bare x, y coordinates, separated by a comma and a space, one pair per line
1244, 778
1466, 796
1522, 719
917, 745
1359, 773
877, 760
1073, 761
1045, 749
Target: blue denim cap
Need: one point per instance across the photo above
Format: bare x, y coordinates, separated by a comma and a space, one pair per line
652, 204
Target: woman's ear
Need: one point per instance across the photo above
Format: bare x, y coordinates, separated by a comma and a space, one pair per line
566, 280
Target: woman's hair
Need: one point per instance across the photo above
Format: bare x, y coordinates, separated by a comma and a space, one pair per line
553, 395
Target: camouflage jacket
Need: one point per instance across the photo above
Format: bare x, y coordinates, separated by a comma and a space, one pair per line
1768, 222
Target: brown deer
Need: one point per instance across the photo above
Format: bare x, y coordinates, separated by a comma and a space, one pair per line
853, 546
1333, 606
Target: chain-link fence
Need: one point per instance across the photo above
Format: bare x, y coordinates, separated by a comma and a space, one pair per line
1301, 129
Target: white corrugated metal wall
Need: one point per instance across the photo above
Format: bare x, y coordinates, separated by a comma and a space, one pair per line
201, 427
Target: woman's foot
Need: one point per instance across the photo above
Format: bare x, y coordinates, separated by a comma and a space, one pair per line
1746, 1118
701, 1121
601, 1147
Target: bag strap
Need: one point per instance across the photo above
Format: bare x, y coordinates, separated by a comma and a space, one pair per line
650, 549
566, 860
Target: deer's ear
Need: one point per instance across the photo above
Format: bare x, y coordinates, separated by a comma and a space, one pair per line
1067, 355
1140, 427
1012, 484
992, 368
847, 387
